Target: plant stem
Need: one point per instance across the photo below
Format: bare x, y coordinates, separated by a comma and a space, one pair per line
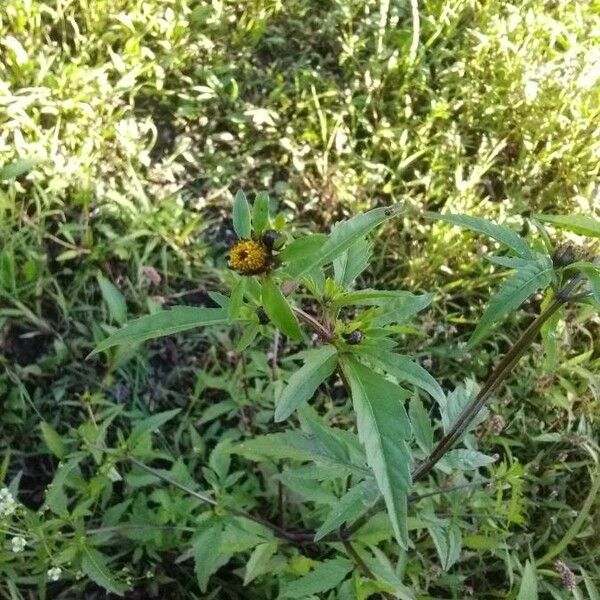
316, 326
284, 534
496, 377
362, 565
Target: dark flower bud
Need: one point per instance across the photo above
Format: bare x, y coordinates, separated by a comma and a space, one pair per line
564, 255
354, 337
263, 318
271, 239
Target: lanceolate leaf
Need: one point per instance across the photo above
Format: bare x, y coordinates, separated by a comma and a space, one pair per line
260, 213
117, 307
206, 546
377, 297
501, 234
18, 168
302, 250
581, 224
279, 311
165, 322
592, 272
318, 365
421, 424
343, 235
334, 440
349, 265
447, 538
401, 310
536, 274
242, 222
323, 577
348, 508
259, 560
529, 588
93, 564
404, 369
383, 427
464, 459
456, 401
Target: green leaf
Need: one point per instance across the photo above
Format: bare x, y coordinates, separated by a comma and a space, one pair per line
53, 440
248, 335
260, 213
93, 564
242, 222
237, 298
457, 401
18, 168
549, 332
404, 369
206, 547
325, 576
351, 263
383, 427
279, 311
115, 301
318, 365
538, 273
421, 424
501, 234
342, 236
447, 539
348, 508
580, 224
56, 497
301, 250
307, 483
334, 440
386, 577
464, 459
288, 444
165, 322
258, 563
151, 423
592, 590
510, 262
529, 588
401, 310
592, 272
371, 297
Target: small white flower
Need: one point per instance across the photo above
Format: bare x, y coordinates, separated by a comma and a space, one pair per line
18, 544
54, 573
8, 504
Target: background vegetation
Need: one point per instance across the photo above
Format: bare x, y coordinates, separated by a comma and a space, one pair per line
141, 118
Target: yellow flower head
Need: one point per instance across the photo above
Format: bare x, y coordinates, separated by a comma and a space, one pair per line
249, 257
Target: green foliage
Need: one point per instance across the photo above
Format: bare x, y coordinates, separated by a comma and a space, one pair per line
528, 589
242, 219
159, 471
580, 224
318, 365
342, 237
536, 274
278, 310
383, 427
168, 322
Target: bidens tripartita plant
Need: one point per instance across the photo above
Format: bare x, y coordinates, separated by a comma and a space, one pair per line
349, 481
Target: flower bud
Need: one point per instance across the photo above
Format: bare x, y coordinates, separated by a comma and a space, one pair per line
263, 318
354, 337
272, 239
564, 255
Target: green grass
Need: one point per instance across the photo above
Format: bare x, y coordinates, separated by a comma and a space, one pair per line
146, 117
